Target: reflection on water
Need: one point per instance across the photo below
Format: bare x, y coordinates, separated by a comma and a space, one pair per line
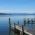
4, 23
12, 33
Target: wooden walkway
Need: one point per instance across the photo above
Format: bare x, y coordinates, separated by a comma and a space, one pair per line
19, 28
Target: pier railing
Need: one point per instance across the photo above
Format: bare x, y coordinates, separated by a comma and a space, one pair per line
29, 22
22, 26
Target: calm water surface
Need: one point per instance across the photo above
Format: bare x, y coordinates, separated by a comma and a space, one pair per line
4, 23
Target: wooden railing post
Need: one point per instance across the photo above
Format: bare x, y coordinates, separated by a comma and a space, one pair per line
18, 22
24, 22
22, 30
14, 25
9, 27
14, 28
32, 23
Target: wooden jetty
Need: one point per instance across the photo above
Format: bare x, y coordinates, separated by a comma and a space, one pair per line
18, 29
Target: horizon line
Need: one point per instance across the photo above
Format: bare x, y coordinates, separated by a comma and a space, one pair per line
17, 13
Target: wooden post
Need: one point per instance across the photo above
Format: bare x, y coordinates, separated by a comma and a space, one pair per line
24, 22
9, 27
28, 22
21, 33
22, 30
18, 22
14, 25
14, 28
32, 23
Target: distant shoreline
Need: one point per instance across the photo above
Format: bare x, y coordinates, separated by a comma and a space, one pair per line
16, 14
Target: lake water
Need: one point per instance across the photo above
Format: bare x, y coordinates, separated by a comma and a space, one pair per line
4, 22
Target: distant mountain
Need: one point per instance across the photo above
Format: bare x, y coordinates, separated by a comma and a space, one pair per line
16, 14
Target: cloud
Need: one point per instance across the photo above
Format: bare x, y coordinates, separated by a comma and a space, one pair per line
4, 11
18, 11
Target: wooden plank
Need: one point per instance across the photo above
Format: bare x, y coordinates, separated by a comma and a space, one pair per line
20, 29
27, 32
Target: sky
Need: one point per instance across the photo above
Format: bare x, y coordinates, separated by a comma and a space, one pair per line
17, 6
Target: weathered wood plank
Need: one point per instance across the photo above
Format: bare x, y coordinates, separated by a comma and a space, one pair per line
20, 29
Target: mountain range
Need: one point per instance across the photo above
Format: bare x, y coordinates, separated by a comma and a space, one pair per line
17, 14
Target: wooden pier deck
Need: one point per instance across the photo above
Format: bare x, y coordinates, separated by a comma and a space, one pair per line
19, 28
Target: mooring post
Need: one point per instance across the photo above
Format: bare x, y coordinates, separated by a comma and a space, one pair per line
9, 27
24, 22
18, 22
22, 30
14, 25
28, 22
14, 28
32, 23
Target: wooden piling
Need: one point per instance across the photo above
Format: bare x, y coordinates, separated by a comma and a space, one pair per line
32, 23
24, 22
18, 22
9, 27
14, 28
22, 30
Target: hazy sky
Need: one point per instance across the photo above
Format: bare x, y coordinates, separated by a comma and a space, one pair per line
17, 6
